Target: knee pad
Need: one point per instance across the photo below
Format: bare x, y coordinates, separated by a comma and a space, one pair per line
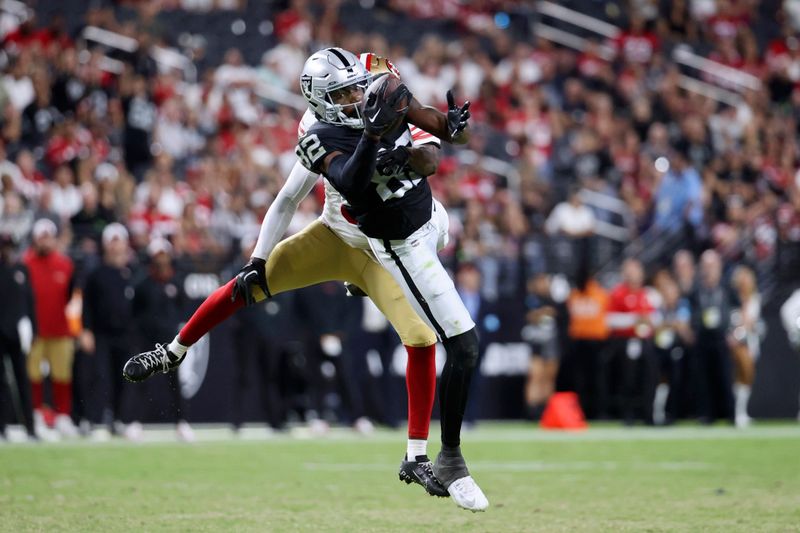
463, 348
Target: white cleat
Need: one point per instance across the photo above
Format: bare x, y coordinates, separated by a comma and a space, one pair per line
40, 426
65, 427
318, 427
468, 495
134, 432
364, 426
743, 421
185, 432
100, 434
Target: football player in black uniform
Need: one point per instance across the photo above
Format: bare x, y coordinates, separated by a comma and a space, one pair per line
394, 208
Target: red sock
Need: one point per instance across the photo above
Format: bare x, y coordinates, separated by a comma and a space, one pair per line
216, 308
37, 396
421, 385
62, 397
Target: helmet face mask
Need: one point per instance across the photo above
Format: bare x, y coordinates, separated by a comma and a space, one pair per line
326, 76
342, 100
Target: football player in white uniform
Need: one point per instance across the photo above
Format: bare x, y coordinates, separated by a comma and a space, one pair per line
334, 248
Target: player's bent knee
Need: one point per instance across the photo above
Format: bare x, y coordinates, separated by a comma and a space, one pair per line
418, 336
464, 348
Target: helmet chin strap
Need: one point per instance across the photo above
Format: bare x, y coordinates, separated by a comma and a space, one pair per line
333, 113
345, 119
357, 121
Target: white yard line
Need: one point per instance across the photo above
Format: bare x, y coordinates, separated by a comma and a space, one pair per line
489, 432
532, 466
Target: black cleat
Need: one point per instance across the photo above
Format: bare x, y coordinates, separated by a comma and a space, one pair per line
421, 473
142, 366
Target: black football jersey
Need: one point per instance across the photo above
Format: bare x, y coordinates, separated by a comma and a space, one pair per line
392, 207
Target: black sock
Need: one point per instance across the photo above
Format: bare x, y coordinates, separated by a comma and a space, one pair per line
462, 357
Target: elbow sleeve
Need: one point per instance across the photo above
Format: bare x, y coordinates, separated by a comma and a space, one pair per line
279, 215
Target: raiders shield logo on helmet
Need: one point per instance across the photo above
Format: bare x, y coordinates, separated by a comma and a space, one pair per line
305, 85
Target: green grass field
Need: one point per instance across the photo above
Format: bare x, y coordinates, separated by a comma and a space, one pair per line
607, 479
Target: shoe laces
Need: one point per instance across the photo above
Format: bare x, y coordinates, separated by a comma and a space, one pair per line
427, 467
155, 358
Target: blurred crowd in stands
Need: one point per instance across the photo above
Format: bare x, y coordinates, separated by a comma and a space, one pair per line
144, 154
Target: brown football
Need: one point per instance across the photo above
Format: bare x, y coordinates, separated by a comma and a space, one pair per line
386, 84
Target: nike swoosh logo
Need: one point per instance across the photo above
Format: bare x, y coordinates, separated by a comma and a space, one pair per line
466, 501
378, 112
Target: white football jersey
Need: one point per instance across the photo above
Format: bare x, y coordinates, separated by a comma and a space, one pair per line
332, 210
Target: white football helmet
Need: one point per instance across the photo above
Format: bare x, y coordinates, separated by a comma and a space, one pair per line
329, 70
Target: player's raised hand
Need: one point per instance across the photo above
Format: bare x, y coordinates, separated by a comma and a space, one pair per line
457, 117
382, 112
253, 273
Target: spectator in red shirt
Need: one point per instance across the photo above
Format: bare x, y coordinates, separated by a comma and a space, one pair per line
51, 275
637, 44
56, 33
630, 321
23, 36
728, 21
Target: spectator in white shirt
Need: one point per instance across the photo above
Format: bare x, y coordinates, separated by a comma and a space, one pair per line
16, 219
172, 133
66, 198
234, 72
159, 185
427, 76
270, 71
18, 85
571, 218
234, 82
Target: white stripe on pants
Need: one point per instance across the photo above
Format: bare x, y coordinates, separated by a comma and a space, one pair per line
415, 265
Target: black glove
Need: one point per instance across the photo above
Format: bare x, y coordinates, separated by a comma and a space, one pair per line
457, 117
254, 272
380, 115
391, 162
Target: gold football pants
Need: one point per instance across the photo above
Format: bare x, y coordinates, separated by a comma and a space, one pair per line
58, 352
317, 254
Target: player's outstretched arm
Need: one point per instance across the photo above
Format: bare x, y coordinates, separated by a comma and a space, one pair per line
452, 126
280, 213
